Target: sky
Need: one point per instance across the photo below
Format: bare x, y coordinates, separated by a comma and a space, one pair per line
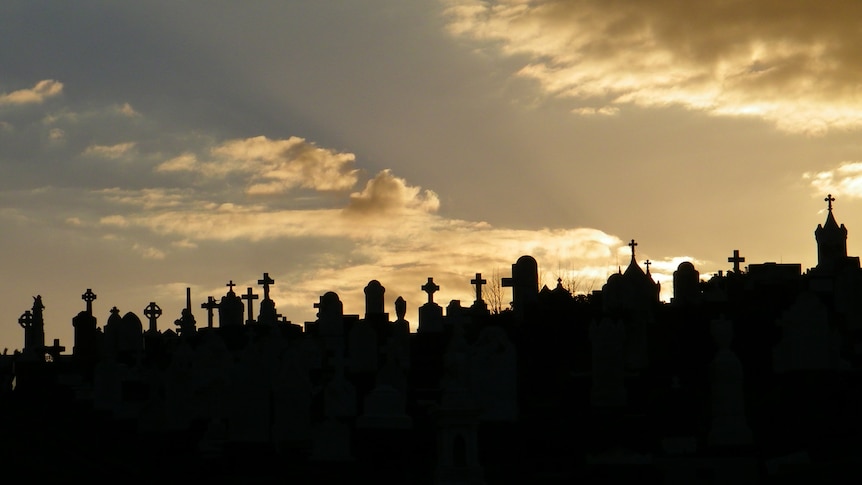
147, 147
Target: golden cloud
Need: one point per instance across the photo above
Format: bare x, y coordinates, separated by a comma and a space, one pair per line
386, 193
270, 167
845, 179
794, 64
43, 90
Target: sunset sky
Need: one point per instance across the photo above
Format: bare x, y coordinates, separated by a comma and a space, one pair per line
147, 147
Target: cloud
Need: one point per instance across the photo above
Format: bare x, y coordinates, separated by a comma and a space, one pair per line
43, 90
271, 167
110, 151
793, 64
386, 193
844, 180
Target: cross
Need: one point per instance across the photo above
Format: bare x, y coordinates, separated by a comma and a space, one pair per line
632, 245
478, 282
88, 297
210, 305
230, 284
153, 312
829, 200
250, 297
736, 258
647, 263
266, 281
55, 350
430, 287
26, 320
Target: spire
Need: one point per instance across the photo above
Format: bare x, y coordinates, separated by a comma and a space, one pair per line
831, 240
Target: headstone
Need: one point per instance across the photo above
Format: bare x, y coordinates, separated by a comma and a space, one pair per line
178, 382
292, 398
231, 308
33, 324
608, 342
268, 314
686, 284
374, 299
727, 397
249, 404
457, 419
525, 286
807, 340
384, 408
250, 296
210, 305
86, 345
400, 335
479, 305
494, 375
362, 348
430, 314
330, 317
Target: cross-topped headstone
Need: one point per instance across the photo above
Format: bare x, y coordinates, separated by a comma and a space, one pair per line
26, 319
210, 305
829, 200
266, 281
478, 281
250, 297
736, 259
230, 284
88, 297
55, 350
430, 287
647, 263
632, 245
153, 312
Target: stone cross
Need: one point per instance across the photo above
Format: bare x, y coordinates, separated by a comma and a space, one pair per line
250, 297
55, 350
829, 200
736, 259
26, 320
647, 263
266, 281
478, 282
632, 245
430, 287
88, 297
230, 284
153, 312
210, 304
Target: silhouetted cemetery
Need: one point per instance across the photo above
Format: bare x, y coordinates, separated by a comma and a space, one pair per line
751, 376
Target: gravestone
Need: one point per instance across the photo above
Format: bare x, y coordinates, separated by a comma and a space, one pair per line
608, 372
178, 382
494, 375
362, 348
807, 340
231, 308
727, 396
268, 314
86, 344
292, 398
384, 407
525, 286
686, 284
430, 313
249, 404
186, 323
400, 335
457, 419
330, 318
